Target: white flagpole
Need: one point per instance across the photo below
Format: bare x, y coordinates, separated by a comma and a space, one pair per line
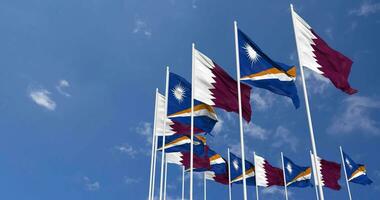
192, 122
204, 186
154, 164
314, 176
164, 133
240, 110
183, 182
257, 187
314, 148
229, 175
166, 176
283, 170
345, 173
151, 184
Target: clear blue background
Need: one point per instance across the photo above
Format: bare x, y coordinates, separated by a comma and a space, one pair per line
95, 143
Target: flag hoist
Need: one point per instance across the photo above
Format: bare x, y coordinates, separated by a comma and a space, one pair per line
154, 146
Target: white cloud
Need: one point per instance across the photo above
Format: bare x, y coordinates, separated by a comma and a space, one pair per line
127, 149
262, 99
129, 180
316, 83
275, 191
194, 4
145, 129
41, 97
356, 116
141, 27
62, 84
91, 185
366, 8
255, 131
283, 137
218, 126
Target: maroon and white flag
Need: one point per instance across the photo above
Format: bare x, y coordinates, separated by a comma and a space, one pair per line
266, 174
329, 173
213, 86
317, 55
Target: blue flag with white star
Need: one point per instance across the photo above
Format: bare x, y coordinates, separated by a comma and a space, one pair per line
296, 176
179, 106
258, 70
356, 173
237, 172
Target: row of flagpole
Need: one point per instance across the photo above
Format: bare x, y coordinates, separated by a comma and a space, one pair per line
162, 190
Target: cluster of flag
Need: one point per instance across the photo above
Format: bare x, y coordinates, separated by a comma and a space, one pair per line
187, 110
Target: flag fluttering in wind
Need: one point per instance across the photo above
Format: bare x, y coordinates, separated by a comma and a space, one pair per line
237, 172
266, 174
218, 171
179, 143
315, 54
201, 160
329, 173
258, 70
179, 107
356, 173
296, 176
216, 88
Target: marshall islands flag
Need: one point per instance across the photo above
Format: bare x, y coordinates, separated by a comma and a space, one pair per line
179, 107
236, 168
296, 176
258, 70
356, 173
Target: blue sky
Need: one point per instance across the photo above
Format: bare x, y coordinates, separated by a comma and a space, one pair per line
78, 77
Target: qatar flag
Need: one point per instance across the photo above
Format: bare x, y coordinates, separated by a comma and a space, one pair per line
315, 54
329, 173
214, 87
266, 174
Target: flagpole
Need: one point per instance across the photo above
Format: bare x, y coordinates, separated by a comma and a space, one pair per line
240, 110
204, 186
154, 163
229, 175
166, 176
192, 122
257, 187
284, 174
151, 184
164, 132
314, 176
183, 182
345, 173
314, 148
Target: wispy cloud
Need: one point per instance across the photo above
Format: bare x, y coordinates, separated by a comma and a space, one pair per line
317, 84
366, 8
91, 185
141, 27
283, 137
356, 116
127, 149
62, 85
145, 129
42, 98
262, 99
274, 191
130, 180
194, 4
256, 131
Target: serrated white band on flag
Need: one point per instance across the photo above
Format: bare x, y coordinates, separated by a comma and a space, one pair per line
261, 177
304, 37
319, 166
161, 117
204, 78
174, 158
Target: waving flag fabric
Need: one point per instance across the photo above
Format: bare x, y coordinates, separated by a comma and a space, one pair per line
179, 143
237, 172
201, 160
258, 70
329, 173
318, 56
266, 174
218, 171
216, 88
179, 106
296, 176
356, 173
